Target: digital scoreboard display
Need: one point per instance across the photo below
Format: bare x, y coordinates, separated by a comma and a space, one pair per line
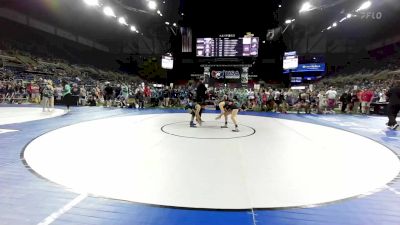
290, 60
167, 62
227, 47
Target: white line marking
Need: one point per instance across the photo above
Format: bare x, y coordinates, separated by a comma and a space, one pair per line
50, 219
393, 190
254, 217
2, 131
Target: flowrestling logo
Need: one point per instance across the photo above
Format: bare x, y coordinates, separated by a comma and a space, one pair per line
227, 74
371, 15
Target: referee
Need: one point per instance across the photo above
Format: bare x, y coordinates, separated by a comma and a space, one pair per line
394, 105
201, 91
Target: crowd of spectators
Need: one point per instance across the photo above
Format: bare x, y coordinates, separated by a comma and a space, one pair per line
53, 82
316, 98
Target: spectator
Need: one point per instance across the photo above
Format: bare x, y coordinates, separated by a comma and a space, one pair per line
82, 95
344, 100
67, 97
394, 105
331, 99
35, 90
382, 96
366, 99
108, 94
47, 92
51, 98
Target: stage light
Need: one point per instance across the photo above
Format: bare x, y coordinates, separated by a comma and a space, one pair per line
167, 23
122, 21
158, 11
343, 19
137, 31
349, 16
109, 12
280, 6
174, 24
152, 5
92, 2
334, 24
182, 14
329, 28
306, 7
288, 21
133, 28
160, 14
364, 6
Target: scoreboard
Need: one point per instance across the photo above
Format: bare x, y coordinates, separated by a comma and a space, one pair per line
227, 47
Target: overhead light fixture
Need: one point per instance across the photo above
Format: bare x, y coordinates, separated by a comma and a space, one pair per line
174, 24
133, 28
158, 11
92, 2
349, 16
152, 5
182, 14
343, 19
306, 7
109, 12
334, 24
160, 14
329, 28
167, 23
364, 6
122, 21
280, 6
288, 21
137, 31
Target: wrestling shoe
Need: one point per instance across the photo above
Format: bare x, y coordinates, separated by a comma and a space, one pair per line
225, 126
236, 130
395, 127
192, 125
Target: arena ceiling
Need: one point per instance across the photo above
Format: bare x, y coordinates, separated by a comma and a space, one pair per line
77, 17
210, 17
326, 12
224, 16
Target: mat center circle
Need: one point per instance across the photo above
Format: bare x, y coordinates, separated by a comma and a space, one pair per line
208, 130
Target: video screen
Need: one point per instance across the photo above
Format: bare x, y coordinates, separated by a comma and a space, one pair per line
290, 60
227, 47
167, 62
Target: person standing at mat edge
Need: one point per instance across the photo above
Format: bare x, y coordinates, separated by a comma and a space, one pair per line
67, 96
394, 105
201, 91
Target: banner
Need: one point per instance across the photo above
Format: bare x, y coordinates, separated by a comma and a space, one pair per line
311, 67
187, 37
225, 74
